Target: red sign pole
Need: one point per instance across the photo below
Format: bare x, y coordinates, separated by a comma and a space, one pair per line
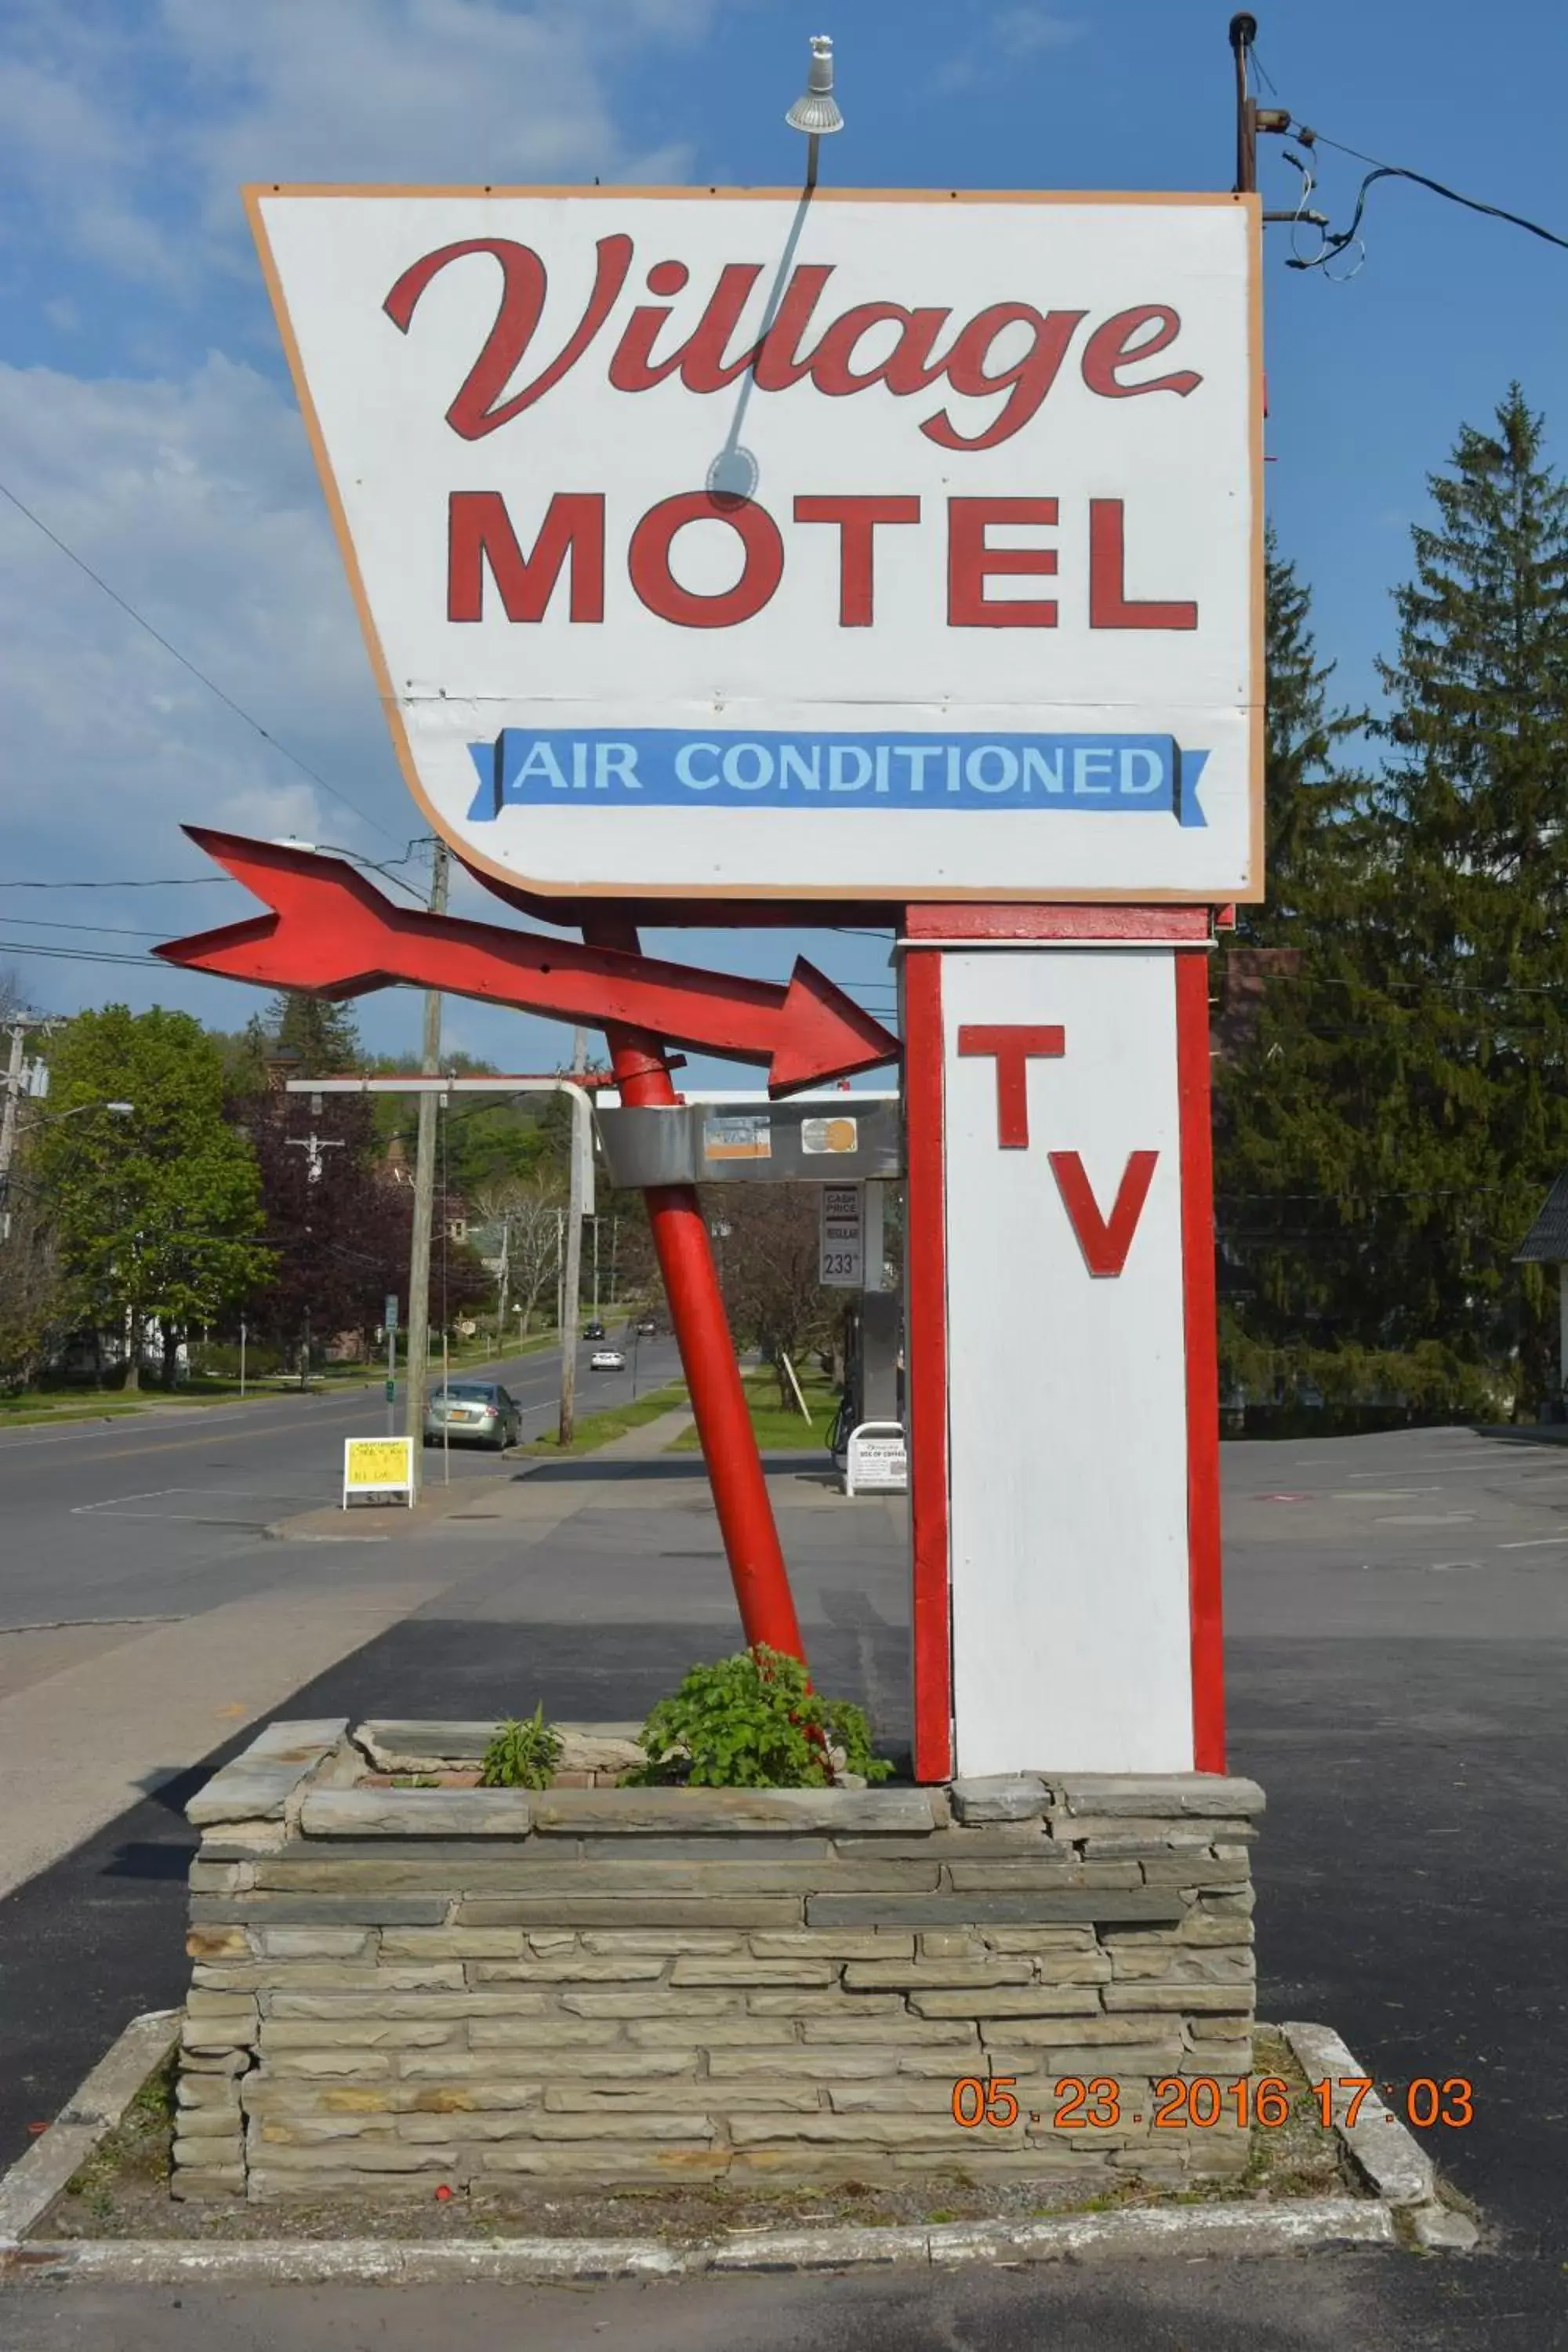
740, 1498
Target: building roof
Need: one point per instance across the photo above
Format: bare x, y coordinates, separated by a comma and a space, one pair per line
1547, 1240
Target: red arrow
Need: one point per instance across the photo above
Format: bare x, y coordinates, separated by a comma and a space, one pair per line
332, 931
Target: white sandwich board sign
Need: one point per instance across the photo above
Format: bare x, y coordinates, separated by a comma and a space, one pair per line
739, 546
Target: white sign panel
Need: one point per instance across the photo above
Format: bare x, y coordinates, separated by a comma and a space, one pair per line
876, 1459
900, 547
1067, 1428
378, 1465
842, 1260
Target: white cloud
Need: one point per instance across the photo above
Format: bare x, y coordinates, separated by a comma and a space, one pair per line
127, 140
1008, 38
125, 126
1023, 32
195, 500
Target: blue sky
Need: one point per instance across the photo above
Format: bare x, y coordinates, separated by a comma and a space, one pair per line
145, 415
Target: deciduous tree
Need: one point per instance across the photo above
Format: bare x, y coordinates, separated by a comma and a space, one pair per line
157, 1213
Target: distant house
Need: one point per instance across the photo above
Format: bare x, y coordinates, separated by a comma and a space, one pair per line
1242, 975
1546, 1243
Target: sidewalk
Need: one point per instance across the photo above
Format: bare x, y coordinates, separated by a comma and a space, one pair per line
589, 1583
110, 1727
508, 1496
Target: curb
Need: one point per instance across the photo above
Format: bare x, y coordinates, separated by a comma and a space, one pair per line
1191, 2231
36, 2180
1388, 2156
279, 1531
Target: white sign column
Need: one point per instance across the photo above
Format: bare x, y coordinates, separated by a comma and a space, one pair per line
1078, 1534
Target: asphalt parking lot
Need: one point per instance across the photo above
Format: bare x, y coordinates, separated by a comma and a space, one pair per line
1397, 1643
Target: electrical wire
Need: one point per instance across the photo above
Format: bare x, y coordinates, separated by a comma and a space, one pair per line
99, 930
151, 882
75, 955
185, 663
1356, 1194
1335, 241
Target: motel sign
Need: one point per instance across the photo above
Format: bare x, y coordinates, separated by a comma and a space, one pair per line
729, 556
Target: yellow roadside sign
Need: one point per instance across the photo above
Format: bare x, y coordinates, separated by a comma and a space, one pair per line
378, 1465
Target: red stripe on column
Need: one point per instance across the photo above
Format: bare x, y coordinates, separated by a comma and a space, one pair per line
926, 1376
1203, 1362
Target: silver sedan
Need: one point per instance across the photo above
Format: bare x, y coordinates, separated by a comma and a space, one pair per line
473, 1412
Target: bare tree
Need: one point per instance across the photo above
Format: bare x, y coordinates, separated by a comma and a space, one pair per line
768, 1250
528, 1211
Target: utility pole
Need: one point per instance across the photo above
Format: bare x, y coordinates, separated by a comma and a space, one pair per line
503, 1277
573, 1286
424, 1199
1243, 33
1251, 120
313, 1146
16, 1084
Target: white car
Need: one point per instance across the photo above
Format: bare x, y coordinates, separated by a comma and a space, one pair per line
607, 1359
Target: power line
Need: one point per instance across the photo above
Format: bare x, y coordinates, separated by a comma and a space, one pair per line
151, 882
185, 663
384, 866
100, 931
77, 955
1335, 242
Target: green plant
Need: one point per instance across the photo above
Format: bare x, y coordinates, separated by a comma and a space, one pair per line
850, 1729
754, 1722
522, 1754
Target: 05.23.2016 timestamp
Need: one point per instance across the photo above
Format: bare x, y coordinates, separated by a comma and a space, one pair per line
1183, 2102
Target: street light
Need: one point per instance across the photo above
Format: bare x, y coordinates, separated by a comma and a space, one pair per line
8, 1129
814, 111
119, 1109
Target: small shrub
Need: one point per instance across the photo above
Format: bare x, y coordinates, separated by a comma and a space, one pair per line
849, 1729
522, 1754
753, 1722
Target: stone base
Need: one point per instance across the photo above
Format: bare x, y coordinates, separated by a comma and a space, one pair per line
400, 1990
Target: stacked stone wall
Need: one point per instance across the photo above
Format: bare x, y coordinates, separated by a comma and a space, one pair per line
406, 1989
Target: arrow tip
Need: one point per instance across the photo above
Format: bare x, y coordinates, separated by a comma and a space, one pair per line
824, 1034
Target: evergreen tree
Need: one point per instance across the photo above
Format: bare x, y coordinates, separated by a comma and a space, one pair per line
1402, 1107
1472, 893
1306, 797
1286, 1081
320, 1031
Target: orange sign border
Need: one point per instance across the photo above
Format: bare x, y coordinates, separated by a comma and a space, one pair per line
255, 192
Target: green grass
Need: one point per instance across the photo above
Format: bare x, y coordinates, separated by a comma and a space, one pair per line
781, 1430
596, 1429
77, 1402
18, 1413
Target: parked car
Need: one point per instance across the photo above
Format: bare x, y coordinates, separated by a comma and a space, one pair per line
647, 1328
473, 1412
607, 1359
595, 1331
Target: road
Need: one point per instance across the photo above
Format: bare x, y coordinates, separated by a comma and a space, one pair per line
165, 1513
1397, 1641
144, 1615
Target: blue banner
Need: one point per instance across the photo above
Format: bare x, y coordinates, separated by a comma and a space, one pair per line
669, 768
